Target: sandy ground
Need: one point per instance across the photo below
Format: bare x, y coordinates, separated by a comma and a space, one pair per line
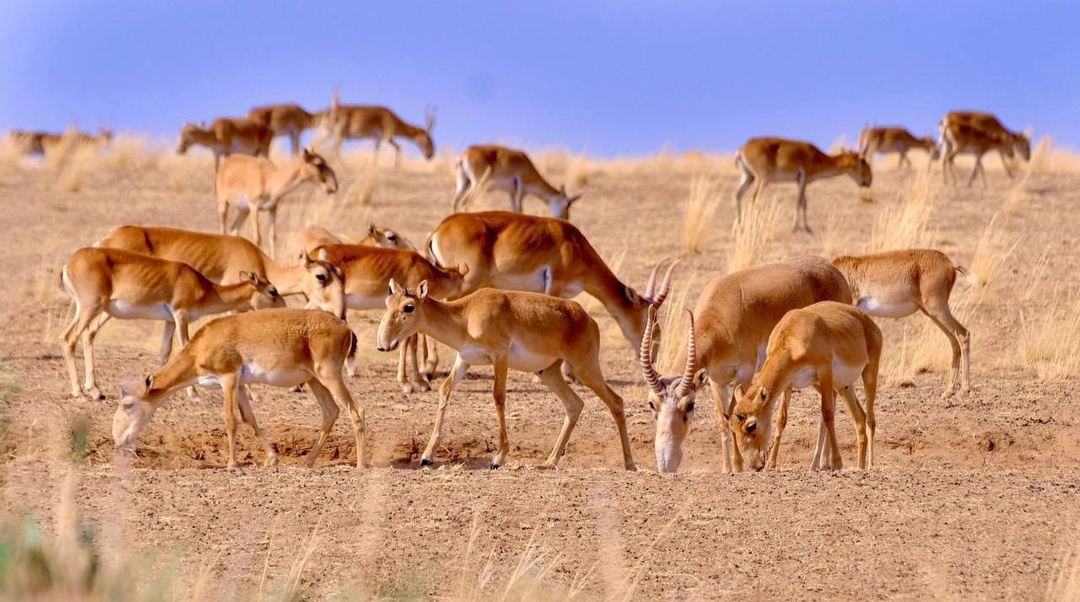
971, 498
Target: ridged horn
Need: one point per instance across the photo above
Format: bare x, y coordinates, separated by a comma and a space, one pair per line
647, 369
665, 285
691, 363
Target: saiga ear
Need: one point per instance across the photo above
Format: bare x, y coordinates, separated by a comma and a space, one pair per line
422, 290
304, 259
323, 255
149, 382
371, 229
394, 287
701, 377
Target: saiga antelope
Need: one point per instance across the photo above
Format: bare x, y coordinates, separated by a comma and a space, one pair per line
965, 138
221, 258
33, 142
896, 284
512, 251
227, 135
524, 331
510, 170
256, 183
978, 133
38, 143
733, 319
829, 346
278, 347
311, 238
130, 286
886, 140
671, 396
365, 272
356, 122
288, 119
768, 160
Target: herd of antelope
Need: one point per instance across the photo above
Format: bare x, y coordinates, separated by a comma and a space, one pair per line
496, 287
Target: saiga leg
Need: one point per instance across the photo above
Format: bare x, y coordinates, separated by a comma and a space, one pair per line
591, 376
457, 372
552, 377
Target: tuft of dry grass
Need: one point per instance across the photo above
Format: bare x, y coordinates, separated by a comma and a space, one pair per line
11, 153
905, 223
57, 154
674, 324
701, 207
1066, 584
1052, 346
751, 236
837, 232
73, 175
992, 252
131, 152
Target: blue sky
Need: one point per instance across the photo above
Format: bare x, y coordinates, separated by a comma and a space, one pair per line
607, 77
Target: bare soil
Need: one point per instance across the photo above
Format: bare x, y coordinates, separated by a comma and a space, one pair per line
971, 498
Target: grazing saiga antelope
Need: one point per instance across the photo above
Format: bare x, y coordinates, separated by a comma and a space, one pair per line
510, 170
991, 135
512, 251
227, 135
886, 140
896, 284
673, 398
768, 160
356, 122
256, 183
221, 258
278, 347
366, 270
288, 119
529, 332
733, 319
966, 138
33, 142
38, 143
311, 238
130, 286
829, 346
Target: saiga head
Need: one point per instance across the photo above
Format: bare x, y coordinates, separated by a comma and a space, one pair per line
671, 399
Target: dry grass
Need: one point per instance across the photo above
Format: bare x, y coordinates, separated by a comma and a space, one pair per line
992, 252
1066, 584
11, 153
674, 324
701, 208
905, 223
76, 169
751, 236
835, 236
130, 152
1052, 346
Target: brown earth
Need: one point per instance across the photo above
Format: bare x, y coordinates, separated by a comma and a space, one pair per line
972, 498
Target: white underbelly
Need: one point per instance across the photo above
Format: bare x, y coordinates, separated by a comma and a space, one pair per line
130, 311
263, 205
523, 359
538, 281
251, 373
475, 355
887, 308
844, 374
805, 377
354, 301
